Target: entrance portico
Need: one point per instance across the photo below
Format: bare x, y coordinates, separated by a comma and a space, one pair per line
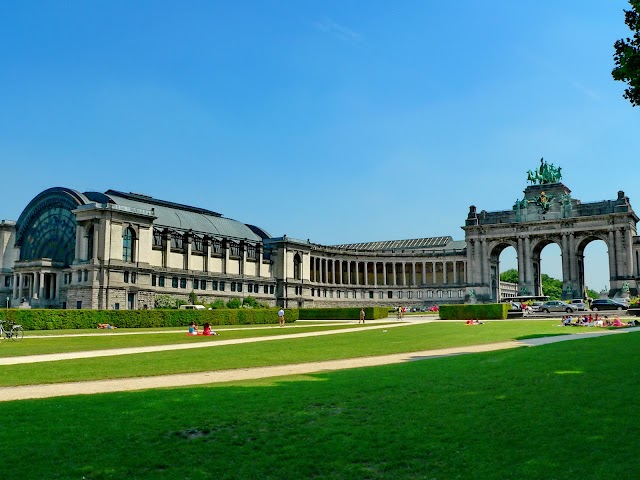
36, 283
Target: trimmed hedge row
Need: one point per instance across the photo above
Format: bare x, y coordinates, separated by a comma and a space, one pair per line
45, 319
370, 313
484, 311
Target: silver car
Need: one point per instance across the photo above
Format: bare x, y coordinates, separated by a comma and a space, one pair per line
557, 306
580, 305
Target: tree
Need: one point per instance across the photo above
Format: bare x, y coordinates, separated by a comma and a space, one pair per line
627, 55
551, 287
510, 276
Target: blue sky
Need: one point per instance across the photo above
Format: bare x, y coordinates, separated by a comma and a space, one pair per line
339, 121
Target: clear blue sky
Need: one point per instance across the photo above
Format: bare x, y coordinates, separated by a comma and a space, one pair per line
339, 121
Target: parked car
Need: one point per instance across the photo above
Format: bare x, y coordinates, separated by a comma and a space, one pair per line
434, 308
557, 306
515, 307
579, 304
607, 304
535, 306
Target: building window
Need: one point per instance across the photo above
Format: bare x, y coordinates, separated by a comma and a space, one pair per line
239, 286
460, 294
450, 293
272, 289
174, 282
203, 284
222, 286
409, 295
7, 281
439, 293
127, 245
390, 294
79, 276
233, 286
313, 292
430, 294
153, 280
353, 294
79, 304
265, 289
177, 241
380, 295
157, 237
197, 244
196, 284
216, 246
133, 277
330, 293
361, 293
116, 306
214, 284
235, 249
126, 277
399, 294
86, 275
419, 294
183, 283
161, 281
90, 243
252, 252
370, 293
338, 294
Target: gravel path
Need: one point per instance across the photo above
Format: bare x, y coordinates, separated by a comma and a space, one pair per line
201, 378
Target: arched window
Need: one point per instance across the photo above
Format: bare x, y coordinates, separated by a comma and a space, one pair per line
128, 239
297, 267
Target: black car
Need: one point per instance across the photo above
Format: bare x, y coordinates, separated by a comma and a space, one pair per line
606, 304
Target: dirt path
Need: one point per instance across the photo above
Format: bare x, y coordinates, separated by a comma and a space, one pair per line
201, 378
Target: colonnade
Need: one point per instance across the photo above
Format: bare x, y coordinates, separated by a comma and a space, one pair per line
387, 273
35, 285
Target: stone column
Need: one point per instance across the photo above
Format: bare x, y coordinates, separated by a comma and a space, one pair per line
79, 237
384, 273
16, 280
96, 241
613, 272
375, 274
566, 271
433, 273
41, 286
628, 245
206, 261
225, 257
57, 286
413, 273
574, 260
528, 265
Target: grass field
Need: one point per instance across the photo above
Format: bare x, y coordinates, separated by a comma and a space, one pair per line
560, 411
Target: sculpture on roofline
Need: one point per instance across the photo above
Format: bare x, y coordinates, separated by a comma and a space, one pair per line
545, 174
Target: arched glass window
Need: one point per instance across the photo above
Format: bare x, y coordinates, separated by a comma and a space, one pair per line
127, 245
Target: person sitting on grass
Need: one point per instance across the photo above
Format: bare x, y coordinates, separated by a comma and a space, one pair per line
193, 329
207, 330
106, 326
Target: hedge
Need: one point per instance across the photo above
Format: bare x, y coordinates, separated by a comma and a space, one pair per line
46, 319
343, 313
483, 311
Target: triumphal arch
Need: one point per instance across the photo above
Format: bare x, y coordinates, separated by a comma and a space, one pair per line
548, 214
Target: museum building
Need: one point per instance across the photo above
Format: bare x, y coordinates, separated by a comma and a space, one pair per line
118, 250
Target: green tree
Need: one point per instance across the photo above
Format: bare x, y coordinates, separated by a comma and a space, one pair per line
627, 55
510, 275
193, 298
592, 293
552, 287
218, 303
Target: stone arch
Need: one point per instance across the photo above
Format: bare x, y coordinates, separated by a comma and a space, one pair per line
495, 249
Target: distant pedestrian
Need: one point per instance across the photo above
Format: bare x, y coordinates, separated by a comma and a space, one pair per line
281, 317
362, 315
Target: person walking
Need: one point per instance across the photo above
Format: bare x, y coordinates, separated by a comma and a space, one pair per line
281, 316
362, 315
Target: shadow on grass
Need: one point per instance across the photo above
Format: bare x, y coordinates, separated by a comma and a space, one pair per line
542, 335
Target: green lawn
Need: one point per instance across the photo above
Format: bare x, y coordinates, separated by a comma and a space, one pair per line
257, 354
560, 411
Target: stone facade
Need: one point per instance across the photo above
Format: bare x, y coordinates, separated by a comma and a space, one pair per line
120, 251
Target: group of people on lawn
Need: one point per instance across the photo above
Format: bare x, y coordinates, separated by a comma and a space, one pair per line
595, 321
193, 330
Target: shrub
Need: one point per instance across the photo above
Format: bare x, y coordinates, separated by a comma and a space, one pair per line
44, 319
234, 303
193, 298
219, 303
165, 301
343, 313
